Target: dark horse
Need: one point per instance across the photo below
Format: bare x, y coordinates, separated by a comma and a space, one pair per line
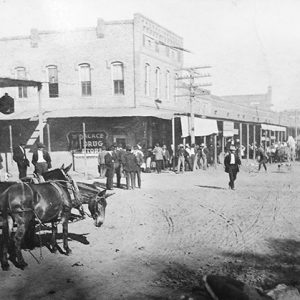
23, 203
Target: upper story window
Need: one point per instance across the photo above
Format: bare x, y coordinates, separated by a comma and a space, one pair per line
168, 85
118, 78
85, 79
157, 83
147, 80
21, 74
53, 81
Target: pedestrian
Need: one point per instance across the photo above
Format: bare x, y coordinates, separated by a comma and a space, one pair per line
140, 160
110, 169
148, 155
158, 154
181, 158
41, 159
188, 157
117, 157
130, 164
166, 157
232, 162
101, 161
19, 156
262, 158
202, 156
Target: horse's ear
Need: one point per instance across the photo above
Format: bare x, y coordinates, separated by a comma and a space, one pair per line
62, 166
67, 169
102, 193
108, 195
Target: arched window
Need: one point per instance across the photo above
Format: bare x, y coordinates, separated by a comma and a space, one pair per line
157, 83
168, 85
53, 81
85, 79
21, 74
118, 78
147, 80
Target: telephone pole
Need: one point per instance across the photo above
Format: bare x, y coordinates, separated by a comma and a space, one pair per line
194, 89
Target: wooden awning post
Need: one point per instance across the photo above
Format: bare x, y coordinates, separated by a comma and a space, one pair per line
84, 149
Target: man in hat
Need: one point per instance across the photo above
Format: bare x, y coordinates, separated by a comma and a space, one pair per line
41, 159
110, 167
202, 156
232, 162
262, 157
130, 166
19, 156
181, 153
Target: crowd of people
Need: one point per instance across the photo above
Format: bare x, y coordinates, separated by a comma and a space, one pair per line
130, 162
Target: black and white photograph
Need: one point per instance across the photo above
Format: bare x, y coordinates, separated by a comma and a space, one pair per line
150, 150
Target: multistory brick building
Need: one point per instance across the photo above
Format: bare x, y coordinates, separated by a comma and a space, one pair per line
118, 81
118, 78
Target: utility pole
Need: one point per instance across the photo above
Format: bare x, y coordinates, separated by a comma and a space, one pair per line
194, 90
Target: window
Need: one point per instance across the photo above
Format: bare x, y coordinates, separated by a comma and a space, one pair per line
53, 81
21, 74
118, 78
85, 79
168, 85
157, 83
147, 80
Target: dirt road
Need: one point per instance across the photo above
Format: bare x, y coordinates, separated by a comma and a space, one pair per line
158, 241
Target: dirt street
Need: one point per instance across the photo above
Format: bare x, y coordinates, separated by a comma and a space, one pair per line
158, 241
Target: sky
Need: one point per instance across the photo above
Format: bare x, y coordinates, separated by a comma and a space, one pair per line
250, 44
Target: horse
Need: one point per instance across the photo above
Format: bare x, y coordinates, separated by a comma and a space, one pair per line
51, 201
96, 205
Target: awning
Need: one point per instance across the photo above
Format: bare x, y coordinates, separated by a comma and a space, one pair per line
19, 116
273, 127
116, 112
203, 127
10, 82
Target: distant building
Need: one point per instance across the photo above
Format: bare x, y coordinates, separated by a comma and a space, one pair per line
262, 101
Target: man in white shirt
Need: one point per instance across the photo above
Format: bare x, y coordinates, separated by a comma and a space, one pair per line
232, 162
41, 159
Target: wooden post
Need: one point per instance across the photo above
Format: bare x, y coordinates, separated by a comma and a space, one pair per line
84, 149
41, 129
241, 133
254, 141
10, 144
247, 142
173, 142
215, 152
48, 135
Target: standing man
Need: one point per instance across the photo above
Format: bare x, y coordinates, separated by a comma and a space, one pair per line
41, 159
232, 162
130, 166
159, 158
140, 160
110, 168
262, 158
181, 158
19, 156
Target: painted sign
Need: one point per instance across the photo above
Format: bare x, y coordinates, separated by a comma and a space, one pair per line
94, 140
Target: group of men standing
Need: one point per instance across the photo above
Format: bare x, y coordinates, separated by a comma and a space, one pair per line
117, 160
